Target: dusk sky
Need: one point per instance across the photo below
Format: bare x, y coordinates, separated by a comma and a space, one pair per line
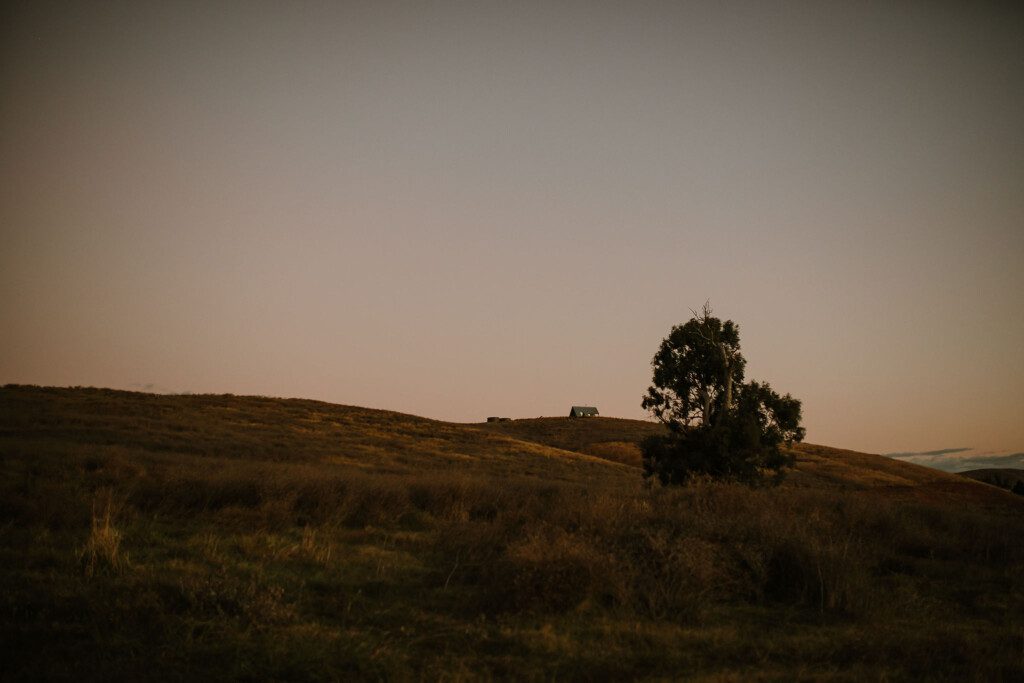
500, 208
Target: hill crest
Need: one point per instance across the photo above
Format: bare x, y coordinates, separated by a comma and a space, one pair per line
303, 430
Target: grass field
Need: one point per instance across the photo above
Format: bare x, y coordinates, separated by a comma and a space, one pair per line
249, 538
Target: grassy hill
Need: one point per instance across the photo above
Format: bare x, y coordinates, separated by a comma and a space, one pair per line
171, 537
1003, 477
816, 467
610, 438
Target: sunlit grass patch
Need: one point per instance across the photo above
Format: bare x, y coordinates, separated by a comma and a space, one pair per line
102, 550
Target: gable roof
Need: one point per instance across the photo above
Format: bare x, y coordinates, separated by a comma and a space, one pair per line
583, 411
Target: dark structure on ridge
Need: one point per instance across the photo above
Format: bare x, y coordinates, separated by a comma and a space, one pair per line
583, 411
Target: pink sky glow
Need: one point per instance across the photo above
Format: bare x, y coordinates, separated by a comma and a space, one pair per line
469, 209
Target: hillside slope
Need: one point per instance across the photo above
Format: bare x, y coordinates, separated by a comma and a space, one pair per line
261, 429
244, 538
612, 438
818, 467
296, 431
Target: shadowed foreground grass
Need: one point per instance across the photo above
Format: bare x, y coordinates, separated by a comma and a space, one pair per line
129, 552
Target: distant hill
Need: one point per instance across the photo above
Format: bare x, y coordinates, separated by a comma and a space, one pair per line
1005, 478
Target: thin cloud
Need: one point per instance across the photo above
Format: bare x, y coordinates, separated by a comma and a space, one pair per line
941, 451
1013, 460
962, 459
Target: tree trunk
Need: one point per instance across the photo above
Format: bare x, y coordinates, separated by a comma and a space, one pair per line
705, 396
727, 362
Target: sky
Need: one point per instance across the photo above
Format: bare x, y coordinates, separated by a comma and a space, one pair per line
468, 209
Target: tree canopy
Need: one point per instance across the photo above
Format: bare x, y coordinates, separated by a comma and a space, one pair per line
719, 425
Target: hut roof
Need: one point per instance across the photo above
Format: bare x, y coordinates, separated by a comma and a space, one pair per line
583, 411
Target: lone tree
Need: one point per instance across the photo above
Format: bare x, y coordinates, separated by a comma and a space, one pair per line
718, 425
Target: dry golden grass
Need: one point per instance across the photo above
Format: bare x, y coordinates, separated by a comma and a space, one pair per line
610, 438
102, 550
817, 467
276, 539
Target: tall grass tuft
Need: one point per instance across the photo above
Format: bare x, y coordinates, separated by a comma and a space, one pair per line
102, 550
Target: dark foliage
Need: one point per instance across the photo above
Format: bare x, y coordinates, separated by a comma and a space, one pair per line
690, 369
719, 426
